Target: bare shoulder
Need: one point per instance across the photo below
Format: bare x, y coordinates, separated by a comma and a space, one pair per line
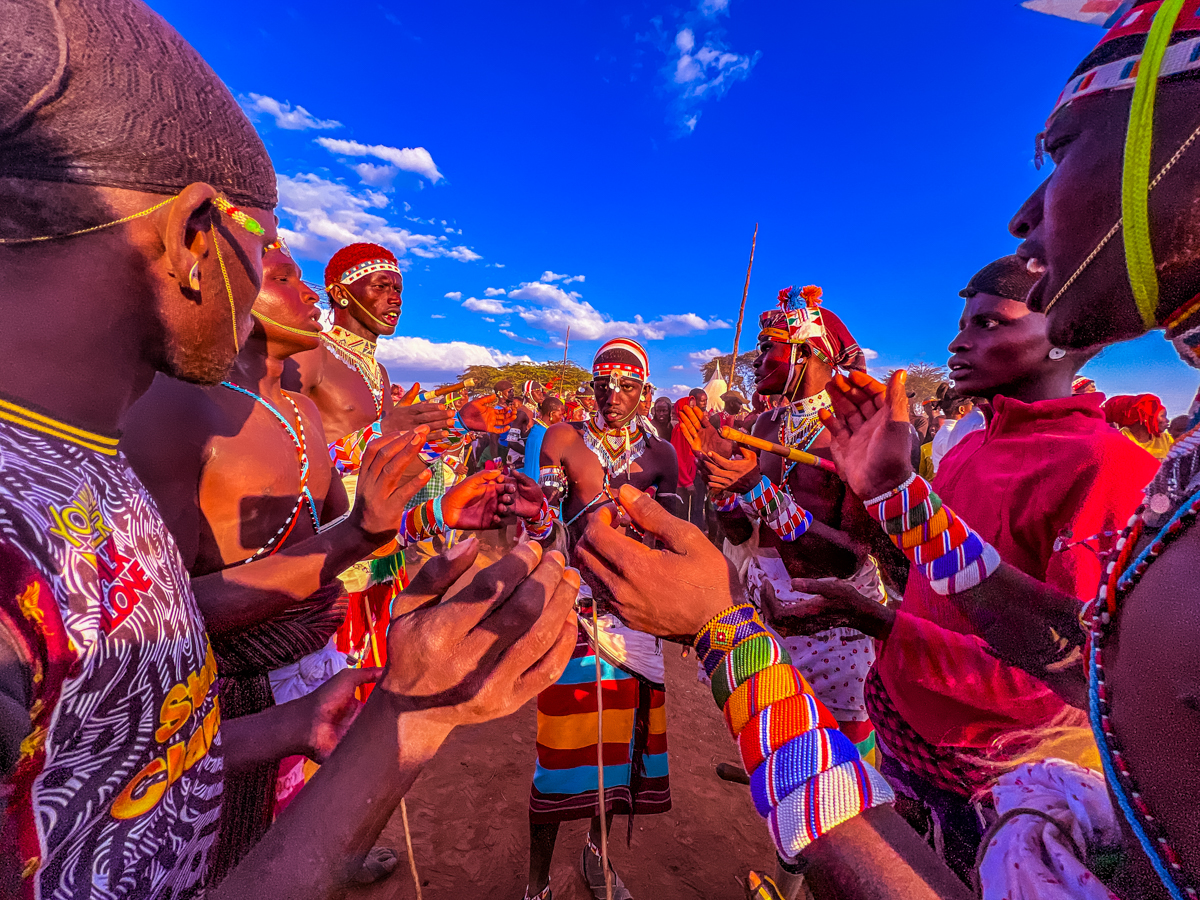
767, 425
312, 417
304, 371
560, 439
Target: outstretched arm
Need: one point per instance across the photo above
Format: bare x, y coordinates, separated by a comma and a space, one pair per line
476, 656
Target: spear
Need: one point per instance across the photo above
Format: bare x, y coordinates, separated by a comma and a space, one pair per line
562, 377
737, 335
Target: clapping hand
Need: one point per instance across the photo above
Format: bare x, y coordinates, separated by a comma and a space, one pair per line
485, 651
389, 475
701, 435
527, 503
870, 432
484, 415
407, 414
478, 502
737, 475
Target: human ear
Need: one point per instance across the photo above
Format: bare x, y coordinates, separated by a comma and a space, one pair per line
185, 235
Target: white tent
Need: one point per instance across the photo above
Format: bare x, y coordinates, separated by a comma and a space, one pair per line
715, 388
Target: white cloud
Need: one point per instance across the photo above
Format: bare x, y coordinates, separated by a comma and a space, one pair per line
474, 304
494, 292
679, 390
869, 353
703, 356
677, 368
454, 295
285, 116
498, 265
375, 176
419, 353
436, 316
324, 215
699, 65
406, 159
489, 319
553, 309
550, 277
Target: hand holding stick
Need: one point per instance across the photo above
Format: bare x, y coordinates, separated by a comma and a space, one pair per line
788, 453
425, 396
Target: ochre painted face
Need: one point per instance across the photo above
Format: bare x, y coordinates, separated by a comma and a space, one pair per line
1067, 216
288, 301
773, 366
380, 295
1000, 344
619, 406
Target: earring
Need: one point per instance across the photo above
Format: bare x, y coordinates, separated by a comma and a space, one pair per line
194, 276
1057, 352
342, 302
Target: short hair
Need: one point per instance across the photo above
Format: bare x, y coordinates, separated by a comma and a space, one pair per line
502, 385
1007, 277
548, 405
695, 391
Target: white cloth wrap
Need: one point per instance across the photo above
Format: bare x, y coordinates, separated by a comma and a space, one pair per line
307, 674
1030, 859
836, 661
620, 645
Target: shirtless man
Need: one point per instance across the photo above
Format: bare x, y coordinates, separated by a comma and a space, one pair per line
582, 465
239, 473
107, 680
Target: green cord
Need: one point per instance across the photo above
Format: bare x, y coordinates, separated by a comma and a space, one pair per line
1135, 176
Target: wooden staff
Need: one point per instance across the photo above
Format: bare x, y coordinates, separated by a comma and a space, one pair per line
425, 396
737, 335
562, 376
788, 453
608, 888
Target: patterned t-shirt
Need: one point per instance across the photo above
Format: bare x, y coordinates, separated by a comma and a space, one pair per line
117, 791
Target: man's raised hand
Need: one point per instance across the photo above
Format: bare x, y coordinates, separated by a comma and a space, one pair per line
670, 592
483, 415
478, 502
528, 495
390, 475
734, 475
870, 432
407, 414
492, 646
699, 432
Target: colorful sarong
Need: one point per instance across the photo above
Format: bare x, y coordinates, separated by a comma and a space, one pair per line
565, 780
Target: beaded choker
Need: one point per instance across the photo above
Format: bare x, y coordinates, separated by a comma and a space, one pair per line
616, 448
357, 353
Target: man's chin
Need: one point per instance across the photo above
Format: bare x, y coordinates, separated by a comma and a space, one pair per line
1073, 325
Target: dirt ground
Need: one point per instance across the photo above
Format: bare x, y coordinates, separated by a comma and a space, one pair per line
469, 821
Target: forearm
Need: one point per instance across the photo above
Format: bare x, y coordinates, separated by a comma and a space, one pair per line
242, 596
266, 736
317, 845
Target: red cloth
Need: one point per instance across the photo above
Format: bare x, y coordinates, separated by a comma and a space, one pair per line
1136, 409
1038, 471
683, 450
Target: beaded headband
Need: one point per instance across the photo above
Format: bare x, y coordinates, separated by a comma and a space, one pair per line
638, 369
365, 268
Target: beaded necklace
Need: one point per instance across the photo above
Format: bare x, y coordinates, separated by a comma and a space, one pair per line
801, 425
357, 353
298, 441
1121, 576
616, 448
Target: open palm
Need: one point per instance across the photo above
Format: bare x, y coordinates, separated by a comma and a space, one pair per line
870, 432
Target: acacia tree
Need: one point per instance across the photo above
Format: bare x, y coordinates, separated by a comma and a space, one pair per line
565, 380
925, 382
744, 377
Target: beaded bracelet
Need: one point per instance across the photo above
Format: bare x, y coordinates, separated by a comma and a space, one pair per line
724, 632
806, 776
824, 802
778, 510
951, 555
750, 656
540, 528
797, 761
553, 477
725, 502
423, 522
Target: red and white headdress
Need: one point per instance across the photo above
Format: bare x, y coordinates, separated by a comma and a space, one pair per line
621, 358
357, 261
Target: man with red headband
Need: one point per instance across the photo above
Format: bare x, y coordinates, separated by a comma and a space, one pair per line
1143, 419
581, 466
353, 393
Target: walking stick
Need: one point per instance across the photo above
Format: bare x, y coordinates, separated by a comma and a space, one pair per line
737, 335
600, 755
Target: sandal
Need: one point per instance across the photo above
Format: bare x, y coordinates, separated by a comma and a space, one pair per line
593, 874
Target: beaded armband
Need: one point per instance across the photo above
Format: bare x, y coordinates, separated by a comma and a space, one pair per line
953, 557
346, 453
553, 478
725, 502
806, 777
423, 522
778, 510
540, 528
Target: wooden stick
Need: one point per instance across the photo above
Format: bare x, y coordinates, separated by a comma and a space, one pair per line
425, 396
562, 375
788, 453
370, 616
412, 862
737, 335
600, 754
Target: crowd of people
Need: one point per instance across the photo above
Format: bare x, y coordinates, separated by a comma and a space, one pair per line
248, 585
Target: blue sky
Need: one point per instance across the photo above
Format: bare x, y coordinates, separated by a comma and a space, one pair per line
603, 164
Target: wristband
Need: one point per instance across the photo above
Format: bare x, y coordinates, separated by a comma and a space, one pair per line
779, 723
726, 502
540, 528
750, 656
724, 632
797, 761
823, 803
439, 522
771, 685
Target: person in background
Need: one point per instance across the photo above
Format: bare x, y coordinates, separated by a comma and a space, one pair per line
732, 415
660, 417
692, 493
1143, 419
1180, 425
960, 419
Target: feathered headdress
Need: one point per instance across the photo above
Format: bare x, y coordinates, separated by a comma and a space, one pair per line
790, 297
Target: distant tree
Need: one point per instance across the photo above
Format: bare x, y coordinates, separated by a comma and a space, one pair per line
565, 380
925, 381
745, 370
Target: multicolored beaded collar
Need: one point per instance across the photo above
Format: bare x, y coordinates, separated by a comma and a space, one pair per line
357, 353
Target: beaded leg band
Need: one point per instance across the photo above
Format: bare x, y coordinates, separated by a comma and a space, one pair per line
953, 557
806, 777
